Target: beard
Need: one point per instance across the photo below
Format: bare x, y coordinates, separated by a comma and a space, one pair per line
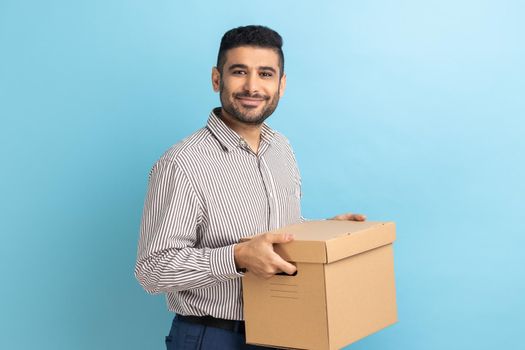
247, 115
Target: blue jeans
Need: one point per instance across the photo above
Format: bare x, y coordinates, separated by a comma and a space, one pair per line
190, 336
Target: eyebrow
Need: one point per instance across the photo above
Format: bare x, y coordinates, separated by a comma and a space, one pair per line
268, 68
243, 66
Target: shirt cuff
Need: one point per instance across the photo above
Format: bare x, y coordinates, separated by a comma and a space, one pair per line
222, 264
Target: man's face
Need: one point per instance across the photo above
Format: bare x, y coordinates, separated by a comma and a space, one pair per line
249, 85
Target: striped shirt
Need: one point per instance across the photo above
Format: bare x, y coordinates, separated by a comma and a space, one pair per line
204, 194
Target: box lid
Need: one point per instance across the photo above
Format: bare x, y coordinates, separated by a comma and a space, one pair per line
327, 241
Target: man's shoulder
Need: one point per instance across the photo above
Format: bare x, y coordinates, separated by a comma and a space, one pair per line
279, 137
188, 147
281, 141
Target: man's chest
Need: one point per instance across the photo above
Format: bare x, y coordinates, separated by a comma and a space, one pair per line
244, 194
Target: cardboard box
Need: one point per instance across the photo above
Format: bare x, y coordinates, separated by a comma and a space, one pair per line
343, 291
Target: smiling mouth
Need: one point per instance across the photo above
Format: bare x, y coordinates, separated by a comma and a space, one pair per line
250, 101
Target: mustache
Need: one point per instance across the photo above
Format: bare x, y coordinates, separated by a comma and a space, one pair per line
248, 95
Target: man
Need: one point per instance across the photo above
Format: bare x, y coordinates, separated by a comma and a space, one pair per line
234, 178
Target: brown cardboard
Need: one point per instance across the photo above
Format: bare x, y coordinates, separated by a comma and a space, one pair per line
344, 289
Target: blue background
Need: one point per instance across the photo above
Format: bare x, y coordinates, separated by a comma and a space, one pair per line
411, 111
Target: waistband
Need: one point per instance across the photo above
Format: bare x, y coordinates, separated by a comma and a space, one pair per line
229, 325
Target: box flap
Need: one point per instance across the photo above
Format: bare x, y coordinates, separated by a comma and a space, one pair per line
331, 240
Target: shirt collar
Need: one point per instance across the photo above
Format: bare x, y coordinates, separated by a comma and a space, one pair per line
228, 138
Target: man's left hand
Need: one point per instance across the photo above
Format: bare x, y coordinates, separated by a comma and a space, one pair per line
349, 217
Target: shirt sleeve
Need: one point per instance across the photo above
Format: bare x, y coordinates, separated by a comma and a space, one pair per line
167, 257
297, 173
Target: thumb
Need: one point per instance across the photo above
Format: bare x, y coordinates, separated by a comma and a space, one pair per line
279, 237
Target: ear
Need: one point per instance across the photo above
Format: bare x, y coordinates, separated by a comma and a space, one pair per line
215, 79
282, 85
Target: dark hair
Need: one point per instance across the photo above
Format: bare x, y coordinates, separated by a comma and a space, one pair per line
252, 35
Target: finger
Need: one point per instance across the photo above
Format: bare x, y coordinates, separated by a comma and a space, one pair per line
287, 268
358, 217
351, 217
279, 237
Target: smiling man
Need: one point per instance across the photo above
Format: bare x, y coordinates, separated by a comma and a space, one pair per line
234, 178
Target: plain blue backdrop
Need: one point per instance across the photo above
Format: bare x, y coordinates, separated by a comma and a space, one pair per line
411, 111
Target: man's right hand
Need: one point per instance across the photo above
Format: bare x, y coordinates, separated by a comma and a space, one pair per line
258, 257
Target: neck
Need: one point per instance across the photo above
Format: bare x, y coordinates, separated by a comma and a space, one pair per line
250, 133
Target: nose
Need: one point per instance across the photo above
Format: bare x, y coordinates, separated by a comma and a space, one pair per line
251, 83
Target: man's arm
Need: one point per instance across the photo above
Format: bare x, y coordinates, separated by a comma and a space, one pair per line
167, 258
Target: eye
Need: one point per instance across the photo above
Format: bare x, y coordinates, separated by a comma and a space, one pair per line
266, 74
238, 72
